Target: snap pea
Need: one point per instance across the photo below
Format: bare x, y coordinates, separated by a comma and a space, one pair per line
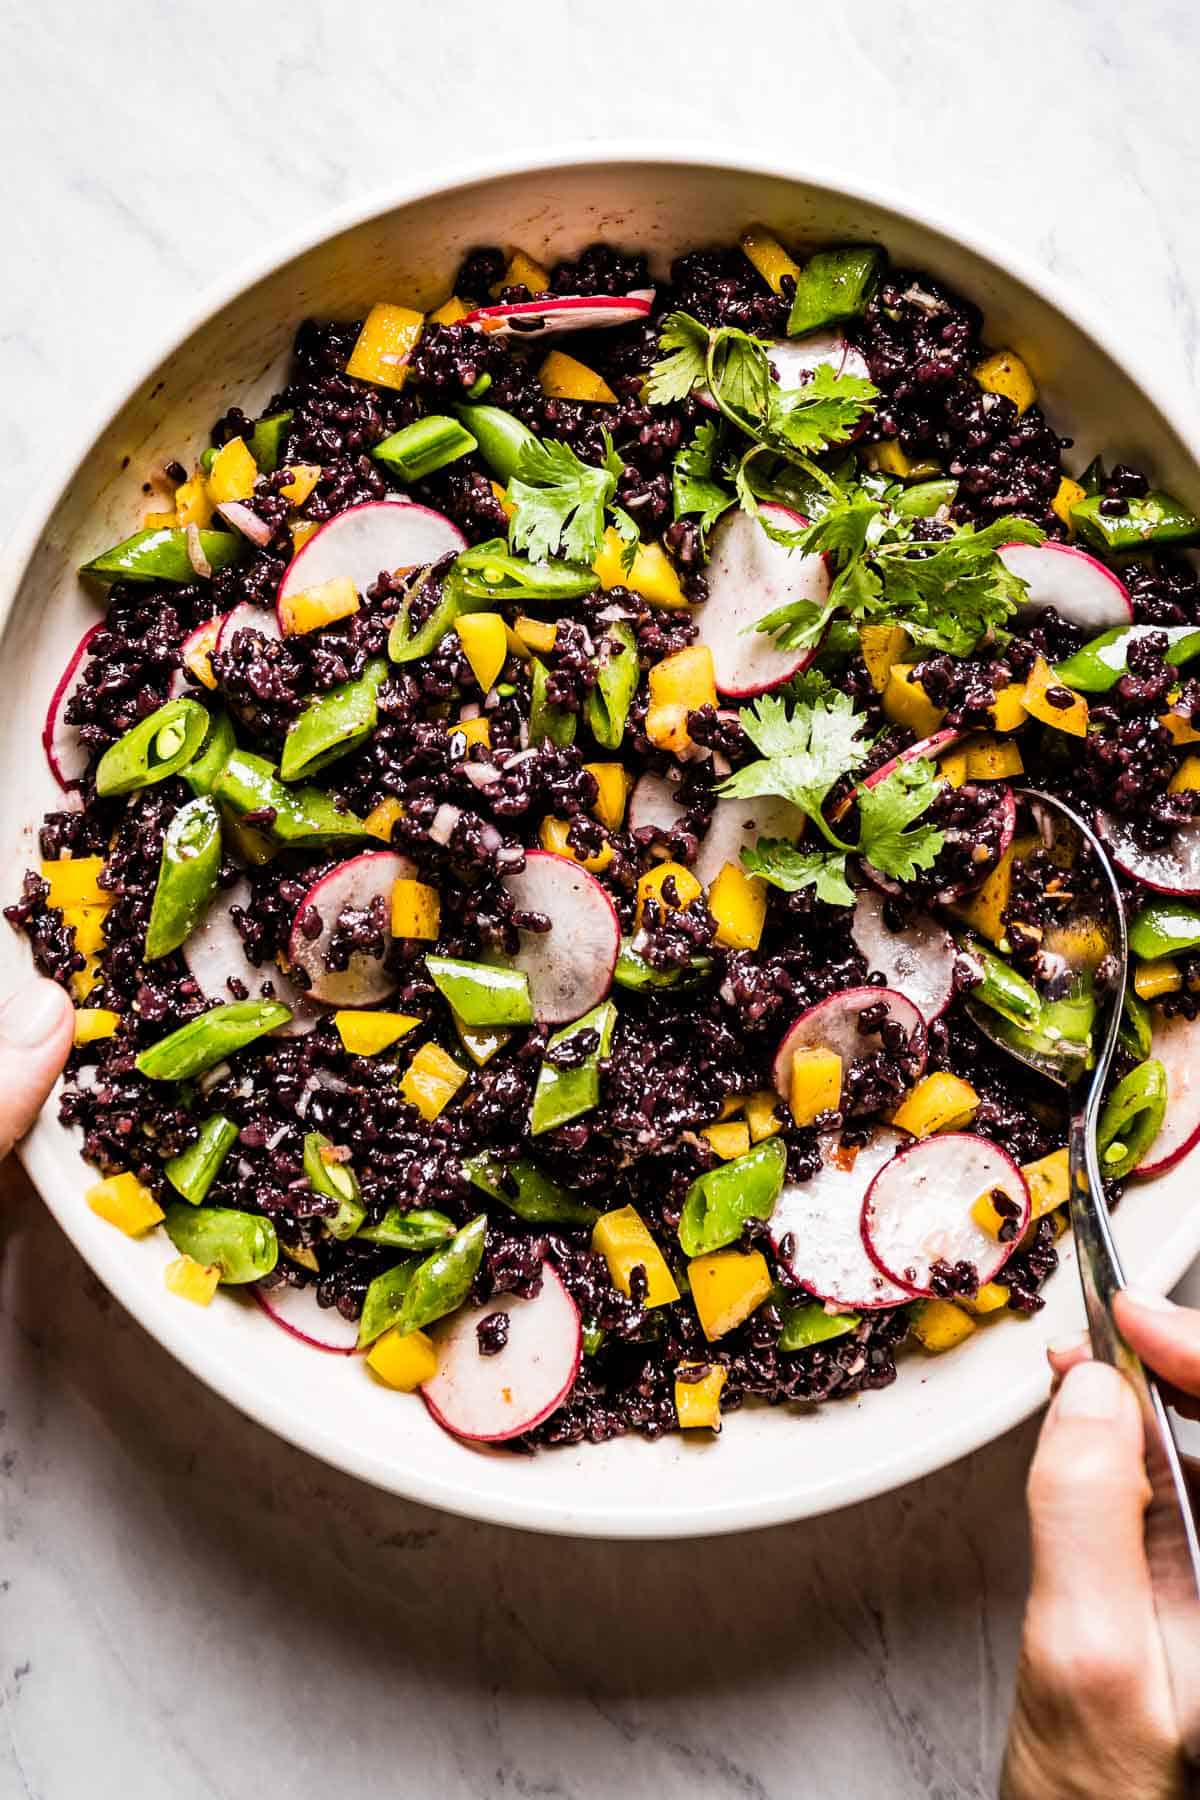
1098, 665
1071, 1018
406, 644
416, 1294
525, 1190
1154, 518
482, 993
635, 973
719, 1202
217, 747
1094, 477
1164, 927
426, 444
548, 723
193, 1171
1132, 1119
833, 285
266, 441
187, 875
1136, 1033
490, 571
1001, 988
806, 1325
159, 746
333, 724
208, 458
208, 1040
248, 784
606, 708
563, 1094
925, 498
242, 1245
162, 555
501, 437
336, 1181
416, 1230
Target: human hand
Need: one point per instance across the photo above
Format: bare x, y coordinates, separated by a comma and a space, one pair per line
36, 1025
1093, 1712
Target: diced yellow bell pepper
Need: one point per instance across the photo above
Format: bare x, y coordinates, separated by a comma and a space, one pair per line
1179, 729
653, 574
553, 834
367, 1033
612, 779
431, 1080
738, 902
159, 521
197, 657
385, 343
1068, 494
481, 1042
95, 1022
764, 250
302, 530
1008, 709
667, 729
87, 926
1083, 945
883, 646
84, 980
75, 881
990, 1298
685, 679
731, 1106
522, 271
317, 606
416, 909
1153, 979
233, 474
905, 702
193, 502
305, 477
650, 886
727, 1287
474, 731
939, 1325
698, 1403
890, 458
404, 1361
991, 758
952, 767
761, 1116
538, 635
484, 644
1005, 373
984, 911
728, 1140
1049, 1183
815, 1085
562, 377
1072, 719
622, 1238
451, 312
191, 1280
125, 1203
507, 507
1186, 778
941, 1102
380, 822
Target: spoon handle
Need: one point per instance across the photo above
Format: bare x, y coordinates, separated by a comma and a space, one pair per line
1172, 1544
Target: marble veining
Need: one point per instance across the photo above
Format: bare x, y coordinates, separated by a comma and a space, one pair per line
188, 1608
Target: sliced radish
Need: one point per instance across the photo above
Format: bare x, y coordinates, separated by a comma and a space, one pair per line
917, 961
653, 807
295, 1309
367, 541
561, 312
918, 1209
66, 752
357, 883
930, 748
818, 1223
749, 575
215, 954
491, 1398
1173, 869
832, 1024
1176, 1044
245, 617
570, 967
737, 825
195, 656
1079, 587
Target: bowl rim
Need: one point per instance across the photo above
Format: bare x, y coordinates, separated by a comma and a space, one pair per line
468, 1498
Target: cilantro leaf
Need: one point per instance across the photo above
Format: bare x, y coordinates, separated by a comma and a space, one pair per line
889, 837
684, 365
740, 375
804, 752
786, 866
694, 480
954, 594
560, 502
824, 410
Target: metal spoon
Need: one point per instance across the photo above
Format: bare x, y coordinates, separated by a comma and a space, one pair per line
1172, 1544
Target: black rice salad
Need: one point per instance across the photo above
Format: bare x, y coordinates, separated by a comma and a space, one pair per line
541, 867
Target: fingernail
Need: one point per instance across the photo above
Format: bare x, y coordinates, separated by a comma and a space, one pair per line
1151, 1301
31, 1015
1089, 1391
1066, 1346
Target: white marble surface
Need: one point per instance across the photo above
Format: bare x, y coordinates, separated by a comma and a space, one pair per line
189, 1609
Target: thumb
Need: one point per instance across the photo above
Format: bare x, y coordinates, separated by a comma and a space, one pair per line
36, 1028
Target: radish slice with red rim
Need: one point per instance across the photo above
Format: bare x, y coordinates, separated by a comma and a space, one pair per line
295, 1310
918, 960
245, 617
1077, 585
489, 1399
561, 312
66, 752
816, 1227
366, 541
930, 748
737, 825
1176, 1044
750, 575
570, 967
918, 1210
1172, 869
362, 882
832, 1024
215, 954
653, 806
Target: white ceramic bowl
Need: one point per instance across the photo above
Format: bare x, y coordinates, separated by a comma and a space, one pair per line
768, 1465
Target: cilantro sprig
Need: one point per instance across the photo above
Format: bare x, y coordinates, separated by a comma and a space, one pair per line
562, 503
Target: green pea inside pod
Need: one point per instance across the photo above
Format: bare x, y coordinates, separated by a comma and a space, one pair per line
157, 748
333, 1177
1131, 1120
418, 1293
218, 746
204, 1042
719, 1202
242, 1245
527, 1191
187, 875
492, 571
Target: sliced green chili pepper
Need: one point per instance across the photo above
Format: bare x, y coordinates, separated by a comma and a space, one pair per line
187, 875
1154, 518
416, 1294
429, 443
635, 973
719, 1202
242, 1245
1131, 1120
500, 437
218, 746
804, 1326
548, 723
162, 555
482, 993
305, 815
160, 746
333, 724
1002, 988
606, 708
491, 572
406, 645
193, 1171
562, 1094
417, 1230
266, 441
1137, 1027
1162, 928
208, 1040
1098, 665
336, 1181
525, 1190
925, 498
833, 285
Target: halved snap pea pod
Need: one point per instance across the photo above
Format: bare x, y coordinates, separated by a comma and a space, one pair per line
163, 555
1098, 665
420, 1229
242, 1245
501, 437
1154, 518
1132, 1119
187, 875
160, 746
426, 444
193, 1171
636, 974
217, 747
563, 1094
720, 1201
1001, 987
415, 1294
482, 993
525, 1190
204, 1042
333, 724
606, 708
834, 285
492, 571
406, 642
1164, 928
804, 1326
925, 498
305, 815
548, 723
336, 1181
1137, 1027
266, 441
